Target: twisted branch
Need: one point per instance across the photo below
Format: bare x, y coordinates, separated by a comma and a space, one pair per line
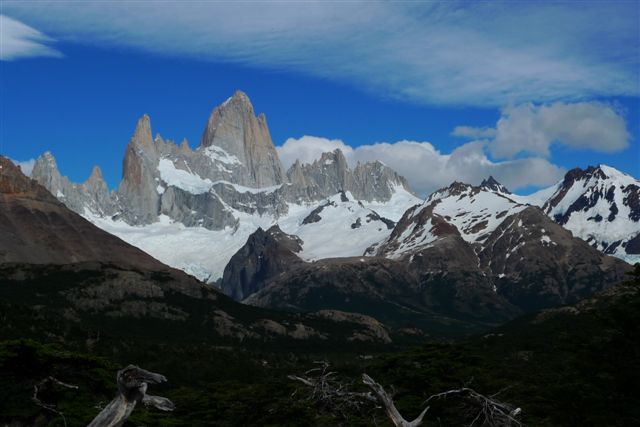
49, 406
337, 399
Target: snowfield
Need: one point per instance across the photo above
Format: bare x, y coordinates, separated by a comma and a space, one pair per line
204, 253
348, 228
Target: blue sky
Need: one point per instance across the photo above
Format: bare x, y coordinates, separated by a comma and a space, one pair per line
439, 91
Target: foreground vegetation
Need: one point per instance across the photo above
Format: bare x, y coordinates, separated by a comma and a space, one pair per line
574, 366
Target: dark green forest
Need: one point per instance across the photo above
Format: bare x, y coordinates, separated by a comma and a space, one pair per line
571, 366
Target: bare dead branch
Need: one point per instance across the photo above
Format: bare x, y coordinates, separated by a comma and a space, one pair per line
332, 396
50, 407
336, 398
389, 406
491, 412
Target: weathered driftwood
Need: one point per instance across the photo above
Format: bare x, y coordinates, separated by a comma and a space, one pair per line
132, 389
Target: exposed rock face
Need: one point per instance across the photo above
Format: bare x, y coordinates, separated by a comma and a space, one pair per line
492, 185
388, 291
36, 228
376, 181
468, 254
331, 174
265, 255
538, 264
234, 128
375, 331
600, 205
93, 195
534, 262
234, 171
137, 192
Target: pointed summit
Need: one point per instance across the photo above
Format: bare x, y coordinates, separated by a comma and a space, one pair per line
234, 128
96, 174
45, 171
492, 185
142, 133
184, 146
139, 168
241, 98
337, 156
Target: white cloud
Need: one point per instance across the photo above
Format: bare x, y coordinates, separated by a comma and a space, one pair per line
455, 52
308, 148
19, 41
25, 165
426, 168
474, 132
532, 129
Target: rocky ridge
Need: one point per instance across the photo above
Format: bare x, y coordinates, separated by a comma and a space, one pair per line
467, 254
62, 273
235, 169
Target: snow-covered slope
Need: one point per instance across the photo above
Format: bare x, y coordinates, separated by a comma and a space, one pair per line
602, 206
342, 226
474, 211
345, 227
463, 210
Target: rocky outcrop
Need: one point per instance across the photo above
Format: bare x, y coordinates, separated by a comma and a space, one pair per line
491, 184
265, 255
331, 174
538, 264
390, 292
376, 181
375, 331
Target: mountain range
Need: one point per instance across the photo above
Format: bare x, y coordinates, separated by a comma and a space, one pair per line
63, 275
327, 236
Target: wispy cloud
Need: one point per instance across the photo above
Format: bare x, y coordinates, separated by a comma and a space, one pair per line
467, 163
19, 41
532, 129
473, 132
458, 53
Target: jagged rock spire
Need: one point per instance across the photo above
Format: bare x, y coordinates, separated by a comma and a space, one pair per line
493, 185
234, 128
142, 132
137, 191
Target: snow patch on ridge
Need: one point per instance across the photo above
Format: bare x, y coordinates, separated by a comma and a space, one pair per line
475, 214
243, 189
218, 154
182, 179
